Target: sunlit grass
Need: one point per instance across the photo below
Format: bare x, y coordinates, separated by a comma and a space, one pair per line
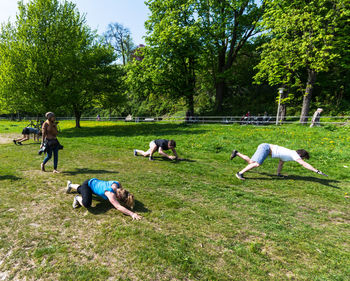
200, 222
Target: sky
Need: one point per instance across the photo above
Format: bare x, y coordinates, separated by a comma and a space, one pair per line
99, 13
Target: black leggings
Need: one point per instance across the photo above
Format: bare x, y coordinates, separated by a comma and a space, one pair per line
86, 193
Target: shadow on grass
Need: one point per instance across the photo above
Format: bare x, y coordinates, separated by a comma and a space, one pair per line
31, 143
140, 207
104, 205
101, 207
28, 143
326, 182
78, 171
9, 177
183, 160
162, 158
137, 129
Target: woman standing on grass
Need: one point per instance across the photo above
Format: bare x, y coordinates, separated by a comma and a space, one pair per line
49, 131
108, 190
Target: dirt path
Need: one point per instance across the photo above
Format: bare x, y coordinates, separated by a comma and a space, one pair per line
7, 138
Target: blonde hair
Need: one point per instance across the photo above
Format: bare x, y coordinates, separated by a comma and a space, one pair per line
125, 197
49, 114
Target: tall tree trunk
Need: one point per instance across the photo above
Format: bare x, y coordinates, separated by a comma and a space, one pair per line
307, 97
220, 85
283, 107
220, 92
77, 119
190, 103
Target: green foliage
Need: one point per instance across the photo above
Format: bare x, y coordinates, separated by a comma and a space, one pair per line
192, 48
302, 36
200, 55
304, 40
40, 46
94, 80
51, 60
226, 27
171, 57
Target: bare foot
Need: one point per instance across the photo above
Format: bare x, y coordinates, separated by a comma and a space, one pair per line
55, 172
42, 167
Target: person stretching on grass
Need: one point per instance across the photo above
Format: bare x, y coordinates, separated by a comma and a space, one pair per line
160, 145
108, 190
284, 154
26, 133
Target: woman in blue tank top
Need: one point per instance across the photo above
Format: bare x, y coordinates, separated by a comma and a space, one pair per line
108, 190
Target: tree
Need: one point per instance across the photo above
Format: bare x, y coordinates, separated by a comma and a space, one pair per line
190, 35
90, 78
50, 60
174, 38
226, 27
120, 38
112, 87
168, 64
303, 38
40, 44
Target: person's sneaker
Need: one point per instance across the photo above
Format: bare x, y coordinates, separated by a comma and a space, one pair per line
150, 158
14, 141
19, 143
69, 188
240, 176
233, 154
135, 152
76, 202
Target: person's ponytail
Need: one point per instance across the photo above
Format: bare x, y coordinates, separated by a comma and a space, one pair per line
130, 201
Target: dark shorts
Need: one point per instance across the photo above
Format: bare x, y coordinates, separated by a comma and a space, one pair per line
25, 131
86, 193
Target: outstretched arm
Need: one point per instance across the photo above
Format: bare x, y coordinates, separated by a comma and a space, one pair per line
161, 152
309, 167
113, 199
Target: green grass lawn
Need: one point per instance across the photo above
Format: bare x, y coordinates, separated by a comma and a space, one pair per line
199, 221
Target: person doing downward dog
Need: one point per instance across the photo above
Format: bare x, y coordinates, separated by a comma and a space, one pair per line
26, 134
284, 154
108, 190
49, 131
160, 145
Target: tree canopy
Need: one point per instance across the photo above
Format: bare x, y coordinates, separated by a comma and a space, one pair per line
303, 42
51, 60
203, 56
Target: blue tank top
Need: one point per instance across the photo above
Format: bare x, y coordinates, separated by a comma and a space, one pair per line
99, 187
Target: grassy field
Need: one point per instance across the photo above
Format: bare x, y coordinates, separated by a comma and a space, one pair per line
199, 221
